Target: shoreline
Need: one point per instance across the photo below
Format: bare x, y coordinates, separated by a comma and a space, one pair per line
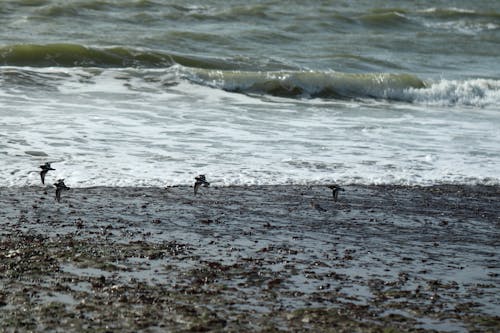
251, 258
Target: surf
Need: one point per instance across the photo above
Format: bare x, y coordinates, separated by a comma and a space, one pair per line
311, 84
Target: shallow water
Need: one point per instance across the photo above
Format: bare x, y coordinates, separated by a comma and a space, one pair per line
152, 93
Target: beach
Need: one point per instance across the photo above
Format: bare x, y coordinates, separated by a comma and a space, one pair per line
250, 258
128, 101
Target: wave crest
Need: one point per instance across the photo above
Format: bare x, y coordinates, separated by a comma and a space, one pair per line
311, 84
335, 85
474, 92
75, 55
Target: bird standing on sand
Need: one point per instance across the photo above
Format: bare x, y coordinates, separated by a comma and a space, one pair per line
336, 189
45, 168
60, 186
200, 181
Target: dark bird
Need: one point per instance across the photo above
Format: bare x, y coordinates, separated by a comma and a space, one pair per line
60, 186
336, 189
200, 181
45, 168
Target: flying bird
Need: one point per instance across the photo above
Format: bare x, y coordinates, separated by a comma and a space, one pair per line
200, 181
336, 189
45, 168
60, 186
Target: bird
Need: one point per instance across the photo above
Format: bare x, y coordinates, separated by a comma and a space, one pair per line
45, 168
200, 181
60, 186
336, 189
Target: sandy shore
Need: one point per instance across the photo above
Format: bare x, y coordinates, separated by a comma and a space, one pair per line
260, 259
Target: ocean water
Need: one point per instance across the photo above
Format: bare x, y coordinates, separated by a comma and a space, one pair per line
153, 93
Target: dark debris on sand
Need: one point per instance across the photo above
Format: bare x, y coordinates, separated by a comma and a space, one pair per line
259, 259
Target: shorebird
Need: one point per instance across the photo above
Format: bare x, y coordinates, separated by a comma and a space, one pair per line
336, 189
60, 186
45, 168
200, 181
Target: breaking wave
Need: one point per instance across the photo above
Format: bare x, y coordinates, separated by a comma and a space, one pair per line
335, 85
24, 65
473, 92
311, 84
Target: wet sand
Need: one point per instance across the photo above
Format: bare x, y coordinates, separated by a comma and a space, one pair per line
259, 258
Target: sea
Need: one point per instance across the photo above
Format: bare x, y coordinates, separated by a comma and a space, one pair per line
154, 93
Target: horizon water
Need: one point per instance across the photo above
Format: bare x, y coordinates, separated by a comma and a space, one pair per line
153, 93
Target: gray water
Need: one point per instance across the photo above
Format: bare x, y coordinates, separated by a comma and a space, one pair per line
262, 92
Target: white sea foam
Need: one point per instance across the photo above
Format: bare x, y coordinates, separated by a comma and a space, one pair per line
117, 128
475, 92
463, 26
451, 9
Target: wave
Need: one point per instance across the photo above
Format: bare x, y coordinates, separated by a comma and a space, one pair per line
447, 19
472, 92
76, 55
307, 84
334, 85
234, 75
386, 18
458, 13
